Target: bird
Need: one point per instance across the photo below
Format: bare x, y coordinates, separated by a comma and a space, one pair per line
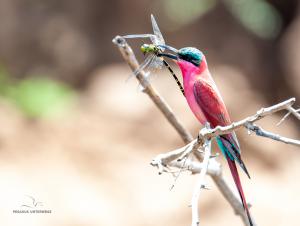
206, 102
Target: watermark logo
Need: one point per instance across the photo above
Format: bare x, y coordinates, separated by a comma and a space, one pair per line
31, 205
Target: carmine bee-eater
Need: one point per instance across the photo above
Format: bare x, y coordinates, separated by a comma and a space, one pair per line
207, 104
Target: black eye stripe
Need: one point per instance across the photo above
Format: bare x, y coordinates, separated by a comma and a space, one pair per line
189, 58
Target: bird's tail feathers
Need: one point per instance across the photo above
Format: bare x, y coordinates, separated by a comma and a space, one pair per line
232, 151
237, 182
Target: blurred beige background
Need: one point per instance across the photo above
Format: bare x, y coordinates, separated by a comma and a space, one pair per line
79, 138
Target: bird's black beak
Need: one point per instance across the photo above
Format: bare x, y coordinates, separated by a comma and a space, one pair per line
169, 55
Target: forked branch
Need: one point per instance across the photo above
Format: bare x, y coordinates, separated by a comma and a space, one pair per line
204, 164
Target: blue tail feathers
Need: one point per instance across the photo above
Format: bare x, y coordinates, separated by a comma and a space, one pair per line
227, 145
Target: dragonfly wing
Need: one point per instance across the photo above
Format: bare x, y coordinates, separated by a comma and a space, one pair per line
158, 38
146, 62
157, 63
151, 36
142, 66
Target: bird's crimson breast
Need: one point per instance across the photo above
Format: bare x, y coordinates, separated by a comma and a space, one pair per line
190, 75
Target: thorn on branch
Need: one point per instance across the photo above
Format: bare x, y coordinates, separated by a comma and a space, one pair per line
291, 110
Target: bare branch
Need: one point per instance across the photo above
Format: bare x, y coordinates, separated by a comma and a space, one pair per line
172, 159
219, 130
201, 183
210, 166
261, 132
213, 169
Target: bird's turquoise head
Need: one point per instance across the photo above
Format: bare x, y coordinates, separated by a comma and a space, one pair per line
191, 54
189, 59
186, 54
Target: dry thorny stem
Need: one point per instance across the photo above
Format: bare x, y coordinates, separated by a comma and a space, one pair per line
203, 162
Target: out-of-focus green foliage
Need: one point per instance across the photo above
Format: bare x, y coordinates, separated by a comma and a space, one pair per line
183, 12
36, 96
258, 16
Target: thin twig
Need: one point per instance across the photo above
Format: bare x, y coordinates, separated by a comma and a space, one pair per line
261, 132
201, 183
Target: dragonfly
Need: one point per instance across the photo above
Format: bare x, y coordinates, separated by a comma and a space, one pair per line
155, 52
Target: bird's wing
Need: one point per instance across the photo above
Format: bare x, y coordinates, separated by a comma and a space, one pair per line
210, 103
213, 107
215, 112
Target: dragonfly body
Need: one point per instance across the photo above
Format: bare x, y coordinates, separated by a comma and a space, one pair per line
151, 48
157, 50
